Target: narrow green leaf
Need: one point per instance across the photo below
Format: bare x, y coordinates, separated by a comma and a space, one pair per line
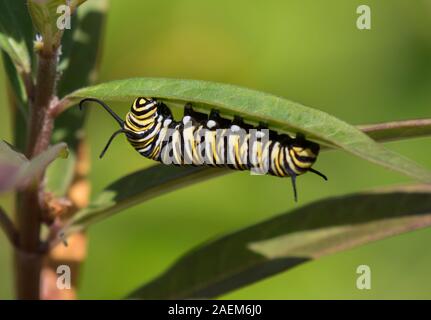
281, 243
81, 56
279, 113
14, 33
16, 25
136, 188
18, 103
59, 175
44, 16
16, 171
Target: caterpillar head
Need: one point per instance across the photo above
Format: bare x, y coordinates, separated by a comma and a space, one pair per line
305, 153
304, 150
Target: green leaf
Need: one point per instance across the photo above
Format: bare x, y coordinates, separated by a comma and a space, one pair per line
18, 103
44, 16
82, 47
279, 113
136, 188
16, 171
16, 25
15, 32
81, 55
59, 175
281, 243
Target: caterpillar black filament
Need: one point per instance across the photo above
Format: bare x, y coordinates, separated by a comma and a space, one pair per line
199, 139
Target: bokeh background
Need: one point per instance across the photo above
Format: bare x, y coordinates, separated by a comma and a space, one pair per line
308, 51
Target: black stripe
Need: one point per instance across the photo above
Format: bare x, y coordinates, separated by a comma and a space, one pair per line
301, 170
304, 159
144, 112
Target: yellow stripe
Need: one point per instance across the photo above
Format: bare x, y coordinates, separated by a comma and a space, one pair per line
200, 146
146, 115
146, 105
149, 141
131, 125
283, 167
237, 154
300, 164
291, 165
277, 162
229, 153
142, 122
259, 154
304, 152
153, 154
213, 146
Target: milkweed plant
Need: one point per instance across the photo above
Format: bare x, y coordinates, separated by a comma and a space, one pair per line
50, 69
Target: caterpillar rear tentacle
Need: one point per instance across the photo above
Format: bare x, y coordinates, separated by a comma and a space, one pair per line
151, 130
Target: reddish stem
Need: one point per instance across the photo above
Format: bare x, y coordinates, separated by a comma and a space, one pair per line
28, 256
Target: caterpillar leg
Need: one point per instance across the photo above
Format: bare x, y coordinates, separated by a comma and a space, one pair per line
300, 137
262, 125
216, 121
239, 121
188, 110
197, 116
213, 120
164, 110
273, 135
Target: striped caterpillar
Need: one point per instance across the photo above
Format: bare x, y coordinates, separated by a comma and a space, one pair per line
199, 139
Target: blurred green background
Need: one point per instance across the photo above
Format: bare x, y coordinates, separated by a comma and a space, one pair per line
307, 51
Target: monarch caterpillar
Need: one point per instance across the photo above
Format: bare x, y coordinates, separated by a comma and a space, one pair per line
153, 132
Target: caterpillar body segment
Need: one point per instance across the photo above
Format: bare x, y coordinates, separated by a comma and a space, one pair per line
200, 139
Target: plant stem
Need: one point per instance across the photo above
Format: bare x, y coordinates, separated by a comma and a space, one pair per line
41, 121
28, 256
